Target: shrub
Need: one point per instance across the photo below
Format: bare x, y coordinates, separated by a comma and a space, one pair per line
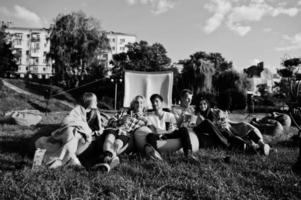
232, 99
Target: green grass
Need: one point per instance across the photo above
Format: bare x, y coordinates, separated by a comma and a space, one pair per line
245, 177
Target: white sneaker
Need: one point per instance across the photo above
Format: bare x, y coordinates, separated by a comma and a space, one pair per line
266, 149
74, 162
105, 167
152, 153
55, 164
114, 162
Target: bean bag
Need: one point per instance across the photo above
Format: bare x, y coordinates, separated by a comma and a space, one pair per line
283, 119
164, 146
25, 118
269, 127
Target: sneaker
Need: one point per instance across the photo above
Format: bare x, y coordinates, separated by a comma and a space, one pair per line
115, 161
55, 164
191, 157
152, 153
74, 162
108, 157
104, 167
266, 149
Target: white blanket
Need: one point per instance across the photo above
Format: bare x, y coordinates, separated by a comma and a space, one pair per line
146, 84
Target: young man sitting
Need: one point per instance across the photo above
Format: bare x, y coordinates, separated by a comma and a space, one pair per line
164, 126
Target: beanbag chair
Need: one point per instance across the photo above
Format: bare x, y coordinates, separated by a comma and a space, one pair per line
164, 146
26, 118
269, 127
283, 119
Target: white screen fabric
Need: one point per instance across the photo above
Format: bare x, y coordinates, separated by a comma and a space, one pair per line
146, 84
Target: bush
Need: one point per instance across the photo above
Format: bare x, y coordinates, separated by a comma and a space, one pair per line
232, 99
209, 96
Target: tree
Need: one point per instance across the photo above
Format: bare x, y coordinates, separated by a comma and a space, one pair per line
141, 57
197, 75
288, 86
199, 69
230, 79
8, 59
76, 43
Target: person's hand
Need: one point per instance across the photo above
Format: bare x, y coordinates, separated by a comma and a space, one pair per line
125, 119
152, 128
201, 117
224, 125
144, 119
98, 132
88, 138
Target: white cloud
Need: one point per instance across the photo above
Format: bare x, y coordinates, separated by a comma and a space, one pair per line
238, 17
131, 2
255, 61
220, 9
157, 6
294, 43
162, 6
299, 3
22, 13
289, 11
267, 30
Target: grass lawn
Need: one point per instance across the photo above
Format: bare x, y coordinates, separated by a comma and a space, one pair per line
245, 177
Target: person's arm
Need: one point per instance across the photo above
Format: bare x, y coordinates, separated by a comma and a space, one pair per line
100, 126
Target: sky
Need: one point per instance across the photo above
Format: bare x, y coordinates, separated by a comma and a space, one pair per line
243, 31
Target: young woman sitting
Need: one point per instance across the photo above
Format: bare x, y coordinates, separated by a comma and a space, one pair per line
120, 130
74, 134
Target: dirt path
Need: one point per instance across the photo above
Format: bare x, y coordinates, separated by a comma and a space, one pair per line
21, 91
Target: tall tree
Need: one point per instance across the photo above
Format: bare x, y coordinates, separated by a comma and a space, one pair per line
8, 59
141, 57
197, 75
289, 86
199, 69
76, 42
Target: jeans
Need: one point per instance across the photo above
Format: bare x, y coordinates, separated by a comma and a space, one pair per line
219, 138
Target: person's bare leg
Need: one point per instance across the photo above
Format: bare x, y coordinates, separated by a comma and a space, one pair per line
118, 146
109, 143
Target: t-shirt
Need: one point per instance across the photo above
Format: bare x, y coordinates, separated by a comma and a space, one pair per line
160, 124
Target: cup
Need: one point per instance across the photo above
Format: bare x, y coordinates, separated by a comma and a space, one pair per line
187, 118
193, 120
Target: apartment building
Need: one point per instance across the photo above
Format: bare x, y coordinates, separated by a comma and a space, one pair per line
31, 46
117, 42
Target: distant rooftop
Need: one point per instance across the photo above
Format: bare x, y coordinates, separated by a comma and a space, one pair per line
119, 33
28, 28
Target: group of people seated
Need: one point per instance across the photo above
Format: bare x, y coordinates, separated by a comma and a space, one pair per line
83, 127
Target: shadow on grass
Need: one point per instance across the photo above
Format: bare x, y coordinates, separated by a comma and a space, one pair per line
23, 145
291, 142
38, 107
6, 121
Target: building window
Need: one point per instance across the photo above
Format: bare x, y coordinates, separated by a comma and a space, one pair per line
113, 39
113, 48
35, 47
122, 48
35, 61
35, 37
122, 41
